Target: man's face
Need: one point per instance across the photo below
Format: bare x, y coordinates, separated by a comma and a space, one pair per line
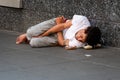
81, 35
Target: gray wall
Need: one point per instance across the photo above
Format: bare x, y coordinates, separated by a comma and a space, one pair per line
104, 14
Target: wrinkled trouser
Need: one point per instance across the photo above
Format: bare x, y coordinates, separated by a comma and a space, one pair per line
38, 29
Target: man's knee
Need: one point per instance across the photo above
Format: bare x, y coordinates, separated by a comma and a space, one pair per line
29, 34
33, 42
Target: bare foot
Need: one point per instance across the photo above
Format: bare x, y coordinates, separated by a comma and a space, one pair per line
20, 39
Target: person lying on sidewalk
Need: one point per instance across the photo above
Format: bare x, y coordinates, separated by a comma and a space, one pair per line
71, 34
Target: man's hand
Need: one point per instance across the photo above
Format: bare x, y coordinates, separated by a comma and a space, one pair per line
66, 42
60, 19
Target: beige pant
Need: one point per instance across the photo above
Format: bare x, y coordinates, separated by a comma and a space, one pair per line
39, 29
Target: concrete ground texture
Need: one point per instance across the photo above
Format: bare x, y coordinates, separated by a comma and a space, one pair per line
21, 62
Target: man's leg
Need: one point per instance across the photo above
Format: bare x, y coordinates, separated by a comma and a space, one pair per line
40, 28
47, 40
35, 30
43, 41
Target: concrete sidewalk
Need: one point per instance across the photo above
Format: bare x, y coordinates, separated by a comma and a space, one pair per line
21, 62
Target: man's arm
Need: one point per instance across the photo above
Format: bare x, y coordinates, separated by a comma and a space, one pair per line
63, 42
60, 38
57, 28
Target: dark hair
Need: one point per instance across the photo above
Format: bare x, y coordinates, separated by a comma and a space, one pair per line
93, 36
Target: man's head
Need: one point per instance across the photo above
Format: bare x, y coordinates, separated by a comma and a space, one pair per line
91, 35
81, 35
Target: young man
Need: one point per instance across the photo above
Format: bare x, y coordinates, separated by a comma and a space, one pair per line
72, 34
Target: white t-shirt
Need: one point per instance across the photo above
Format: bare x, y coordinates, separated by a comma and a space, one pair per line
78, 22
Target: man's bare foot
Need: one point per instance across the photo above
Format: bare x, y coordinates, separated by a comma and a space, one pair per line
60, 19
20, 39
